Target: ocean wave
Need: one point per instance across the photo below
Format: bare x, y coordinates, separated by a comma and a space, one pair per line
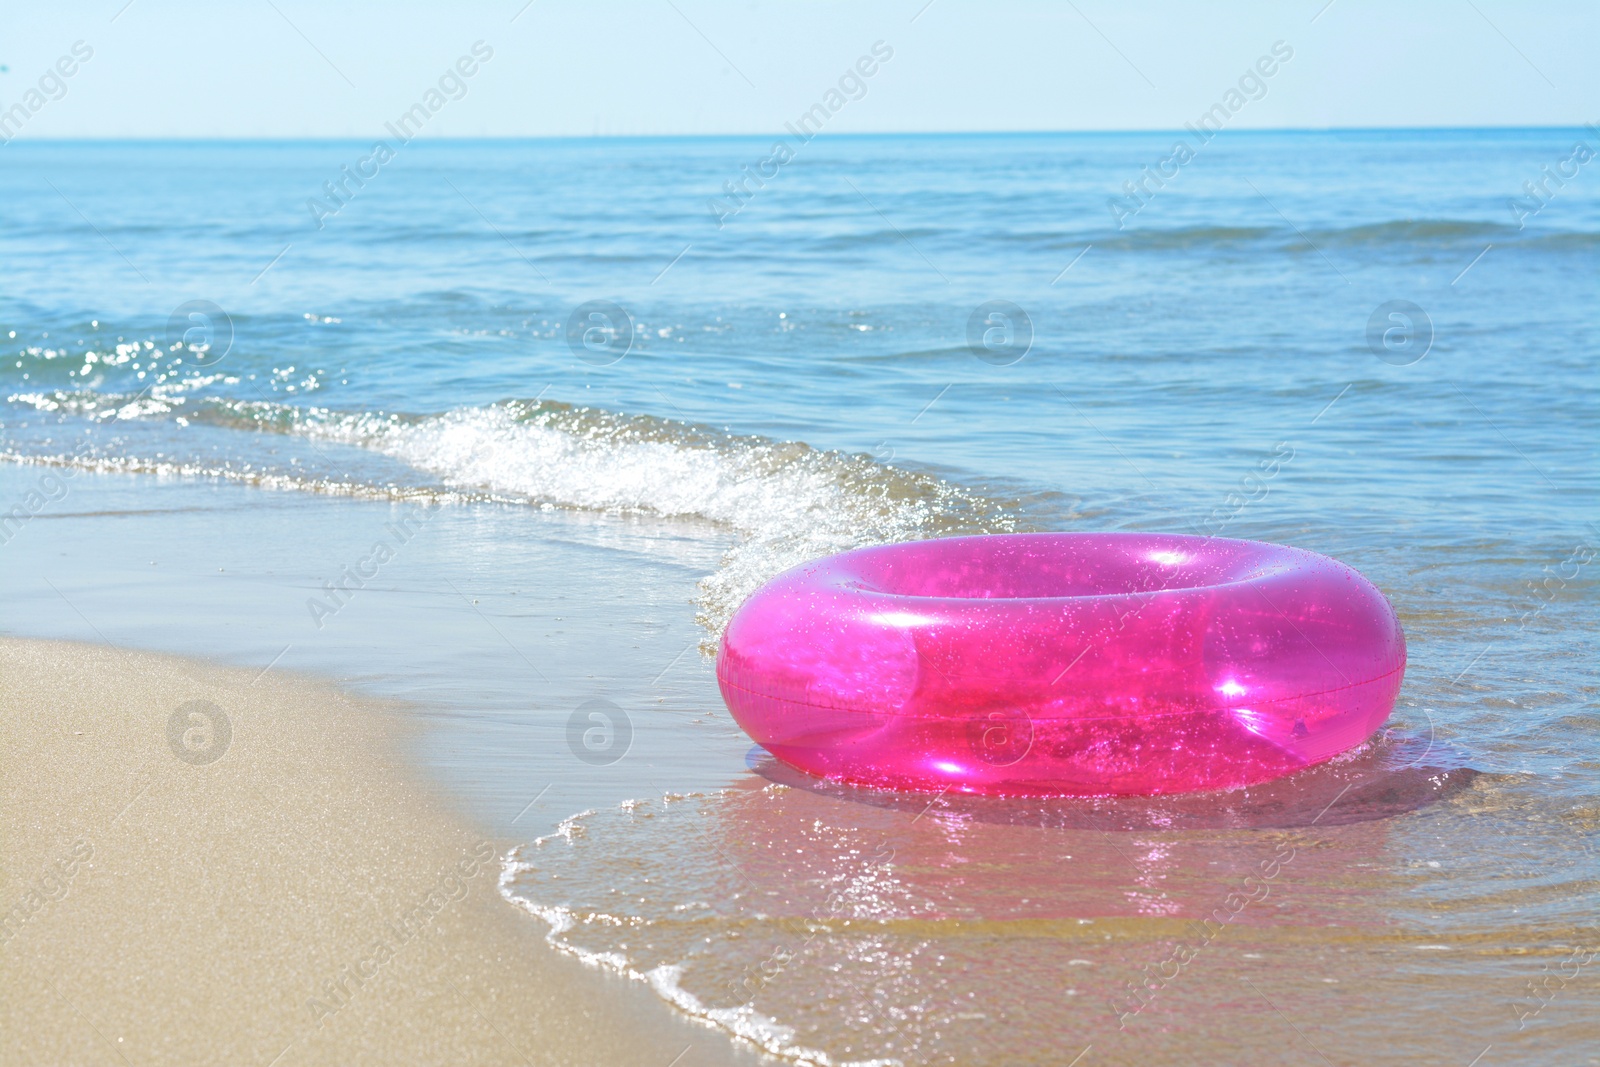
1413, 231
886, 238
1563, 240
787, 501
1389, 233
1162, 238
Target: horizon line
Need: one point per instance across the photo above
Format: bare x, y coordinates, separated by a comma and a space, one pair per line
1152, 131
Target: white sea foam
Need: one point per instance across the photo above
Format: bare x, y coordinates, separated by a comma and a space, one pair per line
568, 828
787, 501
742, 1022
790, 502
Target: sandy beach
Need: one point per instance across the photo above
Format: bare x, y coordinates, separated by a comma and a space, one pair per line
209, 865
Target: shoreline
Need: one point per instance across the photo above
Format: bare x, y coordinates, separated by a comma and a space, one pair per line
207, 863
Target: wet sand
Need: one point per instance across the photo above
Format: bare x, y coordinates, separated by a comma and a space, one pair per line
213, 865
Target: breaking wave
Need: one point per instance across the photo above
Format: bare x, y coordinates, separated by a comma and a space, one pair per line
787, 502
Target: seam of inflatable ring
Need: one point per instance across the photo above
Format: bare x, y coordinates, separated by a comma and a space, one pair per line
858, 710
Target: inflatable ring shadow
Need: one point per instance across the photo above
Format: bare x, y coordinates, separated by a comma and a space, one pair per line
1386, 778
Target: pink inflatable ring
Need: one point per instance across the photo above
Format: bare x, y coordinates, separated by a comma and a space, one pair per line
1063, 664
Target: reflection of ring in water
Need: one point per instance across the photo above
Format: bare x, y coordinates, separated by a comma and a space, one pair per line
1386, 779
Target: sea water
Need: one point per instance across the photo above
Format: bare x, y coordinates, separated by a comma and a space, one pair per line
511, 433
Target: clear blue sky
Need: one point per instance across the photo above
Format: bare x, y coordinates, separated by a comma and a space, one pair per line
294, 68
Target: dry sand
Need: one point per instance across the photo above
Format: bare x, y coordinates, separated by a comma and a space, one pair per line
275, 887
